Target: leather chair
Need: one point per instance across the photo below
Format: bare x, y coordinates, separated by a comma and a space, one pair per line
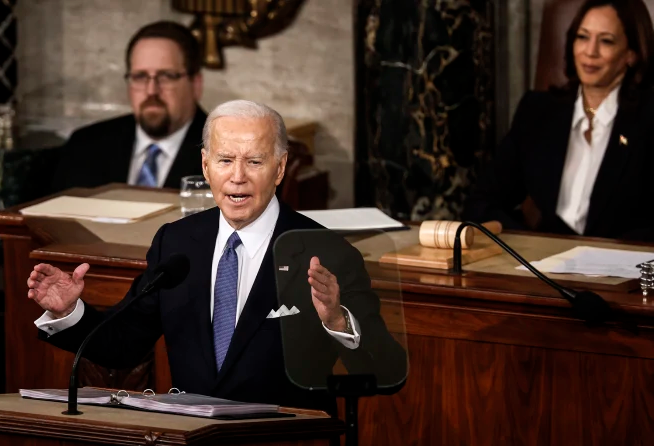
304, 187
557, 16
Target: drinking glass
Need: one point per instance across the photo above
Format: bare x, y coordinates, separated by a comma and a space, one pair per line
195, 195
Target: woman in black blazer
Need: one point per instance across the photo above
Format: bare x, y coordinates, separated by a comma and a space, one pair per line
579, 160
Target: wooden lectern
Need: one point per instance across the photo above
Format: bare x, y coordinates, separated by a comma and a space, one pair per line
25, 422
496, 357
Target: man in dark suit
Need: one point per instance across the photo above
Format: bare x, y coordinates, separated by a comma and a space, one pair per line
160, 142
221, 334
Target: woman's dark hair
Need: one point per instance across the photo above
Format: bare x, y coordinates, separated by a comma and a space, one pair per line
176, 32
637, 26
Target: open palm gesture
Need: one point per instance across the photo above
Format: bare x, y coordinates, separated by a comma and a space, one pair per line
54, 290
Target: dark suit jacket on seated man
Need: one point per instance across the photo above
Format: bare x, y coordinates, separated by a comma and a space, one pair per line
581, 156
159, 143
218, 336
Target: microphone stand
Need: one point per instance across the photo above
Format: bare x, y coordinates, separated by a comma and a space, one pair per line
589, 306
73, 382
351, 388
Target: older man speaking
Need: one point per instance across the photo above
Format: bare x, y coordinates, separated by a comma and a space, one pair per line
219, 339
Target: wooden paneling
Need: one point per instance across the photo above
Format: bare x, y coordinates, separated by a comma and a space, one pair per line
484, 394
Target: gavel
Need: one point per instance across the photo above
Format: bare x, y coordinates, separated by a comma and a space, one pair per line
441, 233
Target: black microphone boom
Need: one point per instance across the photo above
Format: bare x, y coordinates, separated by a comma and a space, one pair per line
587, 305
168, 274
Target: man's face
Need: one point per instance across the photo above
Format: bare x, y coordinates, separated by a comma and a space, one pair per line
163, 107
241, 167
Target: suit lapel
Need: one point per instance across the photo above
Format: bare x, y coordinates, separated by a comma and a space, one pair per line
189, 158
121, 154
555, 151
204, 235
613, 163
262, 297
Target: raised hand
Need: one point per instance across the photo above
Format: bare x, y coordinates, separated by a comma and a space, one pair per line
54, 290
326, 296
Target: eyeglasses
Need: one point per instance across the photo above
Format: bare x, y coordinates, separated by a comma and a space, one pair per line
164, 79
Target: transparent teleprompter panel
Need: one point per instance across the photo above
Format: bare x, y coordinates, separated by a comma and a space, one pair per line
337, 331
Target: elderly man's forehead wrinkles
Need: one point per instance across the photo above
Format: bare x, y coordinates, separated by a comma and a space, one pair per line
248, 154
239, 137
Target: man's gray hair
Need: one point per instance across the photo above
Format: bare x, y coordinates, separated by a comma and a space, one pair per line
247, 109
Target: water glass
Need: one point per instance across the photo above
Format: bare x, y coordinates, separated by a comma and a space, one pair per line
195, 195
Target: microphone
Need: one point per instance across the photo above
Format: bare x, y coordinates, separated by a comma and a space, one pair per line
167, 274
589, 306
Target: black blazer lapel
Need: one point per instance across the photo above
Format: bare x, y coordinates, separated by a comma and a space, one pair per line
262, 298
613, 164
556, 147
121, 153
205, 236
189, 158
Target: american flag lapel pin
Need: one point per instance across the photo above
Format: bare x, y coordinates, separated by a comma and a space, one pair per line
624, 141
283, 268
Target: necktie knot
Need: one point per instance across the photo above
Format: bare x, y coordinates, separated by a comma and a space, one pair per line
148, 173
233, 241
154, 151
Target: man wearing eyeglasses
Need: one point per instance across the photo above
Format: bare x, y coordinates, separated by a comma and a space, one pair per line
160, 142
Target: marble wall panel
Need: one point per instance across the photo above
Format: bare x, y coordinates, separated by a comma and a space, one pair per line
426, 104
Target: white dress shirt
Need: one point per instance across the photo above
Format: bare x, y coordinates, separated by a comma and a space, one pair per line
169, 148
583, 160
255, 239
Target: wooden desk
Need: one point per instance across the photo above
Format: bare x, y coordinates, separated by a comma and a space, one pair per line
40, 423
493, 360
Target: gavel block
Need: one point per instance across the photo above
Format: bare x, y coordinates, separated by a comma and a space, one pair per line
436, 243
441, 233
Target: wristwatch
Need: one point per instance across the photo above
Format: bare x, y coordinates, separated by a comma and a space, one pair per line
348, 323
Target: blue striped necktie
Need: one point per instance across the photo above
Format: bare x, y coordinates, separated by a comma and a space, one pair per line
148, 173
225, 299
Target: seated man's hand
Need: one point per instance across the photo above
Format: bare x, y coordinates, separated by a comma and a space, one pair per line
326, 296
54, 290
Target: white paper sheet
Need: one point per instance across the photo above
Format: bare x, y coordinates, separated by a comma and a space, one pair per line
353, 219
591, 261
95, 209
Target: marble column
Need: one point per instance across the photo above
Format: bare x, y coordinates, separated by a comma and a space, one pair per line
425, 103
7, 51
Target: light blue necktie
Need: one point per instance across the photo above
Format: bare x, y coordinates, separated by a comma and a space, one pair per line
225, 299
148, 172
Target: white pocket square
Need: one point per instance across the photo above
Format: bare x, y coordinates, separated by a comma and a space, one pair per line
283, 311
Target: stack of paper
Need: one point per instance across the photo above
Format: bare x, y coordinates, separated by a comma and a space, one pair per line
353, 219
180, 403
95, 209
592, 261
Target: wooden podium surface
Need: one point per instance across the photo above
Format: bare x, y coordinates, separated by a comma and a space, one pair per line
40, 423
494, 358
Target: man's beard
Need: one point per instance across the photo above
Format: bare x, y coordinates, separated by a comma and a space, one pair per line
155, 126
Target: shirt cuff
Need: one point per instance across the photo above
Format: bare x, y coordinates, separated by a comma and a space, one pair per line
51, 326
350, 341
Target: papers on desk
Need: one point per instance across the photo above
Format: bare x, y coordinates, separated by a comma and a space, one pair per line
353, 219
179, 403
96, 209
590, 261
